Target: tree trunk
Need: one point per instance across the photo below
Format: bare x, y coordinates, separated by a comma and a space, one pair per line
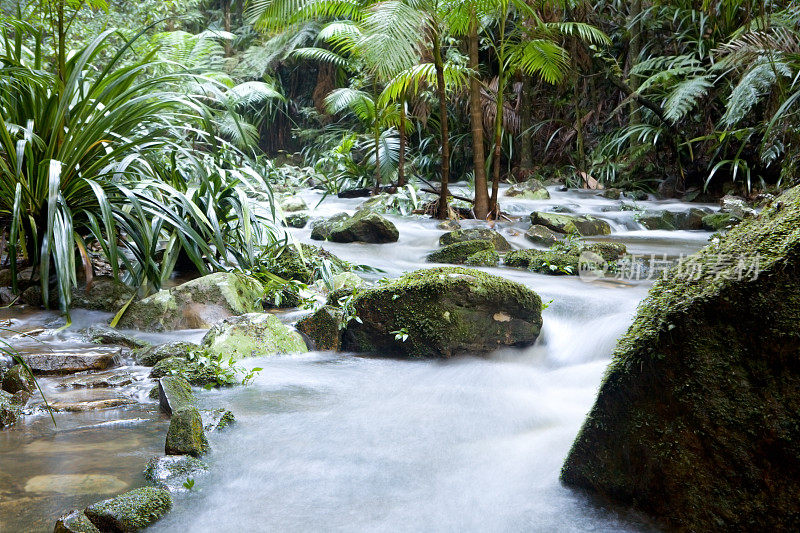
442, 211
226, 16
401, 160
633, 56
498, 146
377, 154
481, 207
526, 116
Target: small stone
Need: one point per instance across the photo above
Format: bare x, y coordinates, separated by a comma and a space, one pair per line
195, 373
99, 334
131, 511
185, 435
152, 355
476, 234
486, 258
172, 471
542, 236
449, 225
532, 189
18, 379
103, 294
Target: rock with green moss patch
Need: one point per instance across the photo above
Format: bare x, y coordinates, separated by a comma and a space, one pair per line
171, 472
363, 226
443, 312
152, 355
297, 220
543, 262
719, 221
542, 236
458, 252
132, 511
609, 251
252, 335
532, 189
696, 422
102, 334
653, 220
197, 304
195, 373
186, 435
486, 258
300, 262
102, 294
174, 394
323, 328
75, 522
217, 419
9, 409
499, 242
449, 225
584, 225
612, 194
18, 378
293, 204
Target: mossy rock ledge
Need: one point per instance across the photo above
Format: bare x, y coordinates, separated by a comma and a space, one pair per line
197, 304
445, 312
363, 226
697, 422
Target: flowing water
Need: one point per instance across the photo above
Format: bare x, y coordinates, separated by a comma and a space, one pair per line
332, 442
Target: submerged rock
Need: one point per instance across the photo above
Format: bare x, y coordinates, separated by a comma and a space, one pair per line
101, 334
16, 379
609, 251
476, 234
216, 419
172, 471
363, 226
458, 252
585, 225
542, 236
696, 422
532, 189
252, 335
9, 410
131, 511
197, 304
449, 225
544, 262
443, 312
75, 522
186, 435
323, 328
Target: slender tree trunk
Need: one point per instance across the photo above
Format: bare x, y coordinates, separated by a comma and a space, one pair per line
401, 161
442, 212
498, 119
633, 56
481, 207
377, 154
226, 16
526, 116
62, 43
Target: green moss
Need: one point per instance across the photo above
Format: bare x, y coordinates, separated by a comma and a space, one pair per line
444, 311
175, 393
75, 522
532, 189
131, 511
152, 355
323, 327
18, 379
363, 226
486, 258
301, 264
572, 225
195, 373
609, 251
719, 221
543, 262
251, 335
458, 252
499, 242
186, 435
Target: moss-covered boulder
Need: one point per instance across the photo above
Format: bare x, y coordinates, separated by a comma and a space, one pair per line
186, 435
199, 375
584, 225
323, 328
217, 419
18, 378
542, 236
252, 335
175, 394
197, 304
486, 258
457, 253
132, 511
151, 355
75, 522
293, 204
443, 312
532, 189
698, 419
719, 221
544, 262
299, 263
363, 226
499, 242
609, 251
297, 220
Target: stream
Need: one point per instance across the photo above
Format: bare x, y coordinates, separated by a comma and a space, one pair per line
332, 442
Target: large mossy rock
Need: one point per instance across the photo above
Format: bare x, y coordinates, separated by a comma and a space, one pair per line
544, 262
186, 435
444, 312
197, 304
194, 372
102, 294
363, 226
132, 511
152, 355
75, 522
476, 234
585, 225
323, 328
299, 263
698, 419
252, 335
